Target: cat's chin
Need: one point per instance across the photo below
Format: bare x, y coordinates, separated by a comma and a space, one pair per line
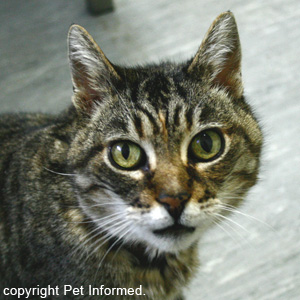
172, 239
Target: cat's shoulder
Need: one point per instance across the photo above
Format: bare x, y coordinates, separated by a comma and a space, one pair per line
23, 122
14, 128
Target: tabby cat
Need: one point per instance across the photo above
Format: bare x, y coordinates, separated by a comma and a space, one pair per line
117, 190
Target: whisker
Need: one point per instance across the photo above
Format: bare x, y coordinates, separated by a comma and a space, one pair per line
108, 217
236, 232
85, 248
120, 237
227, 232
231, 197
230, 220
96, 220
105, 204
79, 248
59, 173
234, 210
119, 248
95, 205
104, 239
110, 248
107, 228
98, 231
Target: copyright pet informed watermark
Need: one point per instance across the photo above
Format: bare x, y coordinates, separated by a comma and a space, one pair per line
69, 290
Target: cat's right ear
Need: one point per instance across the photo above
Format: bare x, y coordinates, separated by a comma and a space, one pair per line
92, 72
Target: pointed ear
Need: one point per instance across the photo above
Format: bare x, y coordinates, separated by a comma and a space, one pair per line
219, 56
92, 73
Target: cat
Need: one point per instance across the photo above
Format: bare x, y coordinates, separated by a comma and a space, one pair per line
117, 190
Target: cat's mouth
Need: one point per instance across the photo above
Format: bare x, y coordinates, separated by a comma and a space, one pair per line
176, 229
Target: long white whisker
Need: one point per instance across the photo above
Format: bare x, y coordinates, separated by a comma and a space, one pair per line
109, 249
95, 242
106, 238
58, 173
96, 205
234, 210
108, 234
91, 235
125, 225
227, 232
120, 247
98, 231
228, 219
105, 204
103, 239
236, 232
231, 197
97, 220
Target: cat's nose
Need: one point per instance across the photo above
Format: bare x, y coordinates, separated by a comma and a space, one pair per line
174, 204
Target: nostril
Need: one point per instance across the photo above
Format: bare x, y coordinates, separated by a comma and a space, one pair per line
166, 206
174, 204
171, 202
184, 196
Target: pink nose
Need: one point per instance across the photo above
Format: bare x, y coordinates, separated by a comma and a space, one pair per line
174, 204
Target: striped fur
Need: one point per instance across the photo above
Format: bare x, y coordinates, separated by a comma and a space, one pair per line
69, 215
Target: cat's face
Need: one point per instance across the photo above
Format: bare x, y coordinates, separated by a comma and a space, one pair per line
164, 151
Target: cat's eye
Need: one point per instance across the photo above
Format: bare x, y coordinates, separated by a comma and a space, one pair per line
207, 145
126, 154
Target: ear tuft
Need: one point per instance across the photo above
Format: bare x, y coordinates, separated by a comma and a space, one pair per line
219, 56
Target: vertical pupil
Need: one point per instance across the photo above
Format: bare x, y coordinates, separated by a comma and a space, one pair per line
206, 142
125, 151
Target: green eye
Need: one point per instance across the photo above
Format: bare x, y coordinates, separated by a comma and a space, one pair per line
206, 145
126, 154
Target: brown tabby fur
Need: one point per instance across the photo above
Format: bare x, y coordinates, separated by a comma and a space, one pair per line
57, 185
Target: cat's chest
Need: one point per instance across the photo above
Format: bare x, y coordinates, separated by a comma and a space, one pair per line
163, 278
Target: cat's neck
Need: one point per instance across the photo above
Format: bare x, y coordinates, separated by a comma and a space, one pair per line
143, 257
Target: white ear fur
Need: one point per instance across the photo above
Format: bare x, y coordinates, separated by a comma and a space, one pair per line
219, 55
91, 70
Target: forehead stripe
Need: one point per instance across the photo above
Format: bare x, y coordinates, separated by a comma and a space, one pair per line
138, 126
176, 115
189, 117
151, 118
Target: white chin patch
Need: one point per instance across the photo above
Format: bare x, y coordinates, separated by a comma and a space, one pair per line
163, 242
176, 242
154, 228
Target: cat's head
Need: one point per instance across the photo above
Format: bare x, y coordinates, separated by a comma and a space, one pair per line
162, 151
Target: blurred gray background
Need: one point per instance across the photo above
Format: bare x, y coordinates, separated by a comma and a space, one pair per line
254, 257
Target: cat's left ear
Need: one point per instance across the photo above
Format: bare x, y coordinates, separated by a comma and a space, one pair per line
219, 56
92, 72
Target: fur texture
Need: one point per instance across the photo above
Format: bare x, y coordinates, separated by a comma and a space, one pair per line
71, 215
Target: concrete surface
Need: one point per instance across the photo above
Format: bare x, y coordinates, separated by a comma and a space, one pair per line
258, 261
